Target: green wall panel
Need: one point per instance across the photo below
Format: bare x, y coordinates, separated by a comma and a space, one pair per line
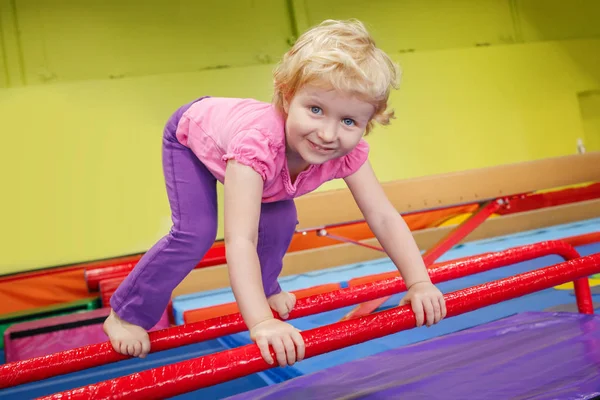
10, 56
98, 39
558, 19
3, 70
401, 25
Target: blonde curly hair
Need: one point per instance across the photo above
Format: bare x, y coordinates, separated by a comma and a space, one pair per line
341, 55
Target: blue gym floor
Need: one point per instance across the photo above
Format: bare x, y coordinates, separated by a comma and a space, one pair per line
551, 299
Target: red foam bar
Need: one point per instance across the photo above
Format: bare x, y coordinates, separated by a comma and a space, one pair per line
201, 314
107, 287
186, 376
93, 276
91, 356
79, 266
581, 240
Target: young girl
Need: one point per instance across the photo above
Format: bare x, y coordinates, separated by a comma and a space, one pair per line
329, 90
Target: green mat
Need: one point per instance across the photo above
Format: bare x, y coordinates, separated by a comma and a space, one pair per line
8, 320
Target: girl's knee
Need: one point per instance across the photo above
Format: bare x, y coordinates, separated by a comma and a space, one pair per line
281, 214
197, 241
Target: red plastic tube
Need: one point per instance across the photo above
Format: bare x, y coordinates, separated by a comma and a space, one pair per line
94, 276
35, 369
79, 266
580, 240
107, 288
186, 376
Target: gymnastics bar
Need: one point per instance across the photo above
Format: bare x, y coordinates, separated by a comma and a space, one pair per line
464, 187
39, 368
186, 376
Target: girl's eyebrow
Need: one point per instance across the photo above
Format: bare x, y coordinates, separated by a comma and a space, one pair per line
313, 97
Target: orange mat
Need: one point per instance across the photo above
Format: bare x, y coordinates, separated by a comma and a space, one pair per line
41, 291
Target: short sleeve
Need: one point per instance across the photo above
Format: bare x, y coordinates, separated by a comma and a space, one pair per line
352, 161
254, 149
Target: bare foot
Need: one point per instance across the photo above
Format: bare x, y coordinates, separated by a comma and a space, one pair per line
126, 338
282, 303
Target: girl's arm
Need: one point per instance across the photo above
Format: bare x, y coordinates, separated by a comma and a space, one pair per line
243, 194
392, 232
388, 225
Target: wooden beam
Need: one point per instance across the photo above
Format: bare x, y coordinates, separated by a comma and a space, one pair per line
345, 253
429, 192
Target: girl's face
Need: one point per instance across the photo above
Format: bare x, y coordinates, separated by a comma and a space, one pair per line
323, 124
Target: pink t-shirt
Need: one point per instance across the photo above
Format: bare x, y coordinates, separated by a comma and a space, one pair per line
252, 132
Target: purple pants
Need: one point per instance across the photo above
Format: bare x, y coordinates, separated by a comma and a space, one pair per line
142, 298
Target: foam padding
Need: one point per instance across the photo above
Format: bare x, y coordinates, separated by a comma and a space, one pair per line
51, 335
34, 314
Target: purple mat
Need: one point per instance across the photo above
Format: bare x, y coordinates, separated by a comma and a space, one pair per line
533, 355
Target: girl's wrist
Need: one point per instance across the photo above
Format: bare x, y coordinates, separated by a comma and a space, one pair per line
417, 282
255, 317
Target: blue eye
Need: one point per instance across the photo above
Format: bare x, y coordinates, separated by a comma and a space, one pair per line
315, 110
348, 121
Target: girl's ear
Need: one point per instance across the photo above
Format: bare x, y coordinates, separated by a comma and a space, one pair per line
286, 104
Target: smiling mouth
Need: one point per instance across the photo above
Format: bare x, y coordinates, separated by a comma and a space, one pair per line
320, 149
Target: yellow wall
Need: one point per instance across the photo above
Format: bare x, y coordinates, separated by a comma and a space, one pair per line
88, 86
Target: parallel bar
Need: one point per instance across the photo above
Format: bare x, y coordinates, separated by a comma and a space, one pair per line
583, 294
186, 376
39, 368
